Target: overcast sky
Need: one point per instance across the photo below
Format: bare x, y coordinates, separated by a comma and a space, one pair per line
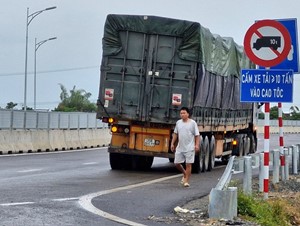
73, 59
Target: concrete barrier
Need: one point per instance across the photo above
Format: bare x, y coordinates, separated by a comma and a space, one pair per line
40, 140
21, 141
87, 138
104, 136
57, 140
91, 138
6, 146
72, 139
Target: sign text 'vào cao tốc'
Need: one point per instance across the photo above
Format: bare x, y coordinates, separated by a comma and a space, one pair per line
267, 85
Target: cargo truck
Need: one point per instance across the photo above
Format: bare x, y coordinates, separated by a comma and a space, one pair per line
151, 67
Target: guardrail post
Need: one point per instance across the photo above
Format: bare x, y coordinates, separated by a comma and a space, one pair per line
295, 159
223, 203
298, 156
287, 164
247, 182
275, 166
261, 175
282, 166
223, 196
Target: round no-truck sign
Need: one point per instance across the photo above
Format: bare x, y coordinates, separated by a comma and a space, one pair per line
267, 43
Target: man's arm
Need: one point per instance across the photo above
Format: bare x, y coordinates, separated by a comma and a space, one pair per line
174, 139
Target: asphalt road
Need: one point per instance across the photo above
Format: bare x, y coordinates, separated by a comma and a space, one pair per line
51, 189
79, 188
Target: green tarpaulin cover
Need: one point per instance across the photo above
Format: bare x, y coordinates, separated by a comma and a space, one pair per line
219, 55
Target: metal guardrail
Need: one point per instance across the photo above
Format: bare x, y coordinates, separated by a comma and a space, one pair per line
17, 119
222, 195
245, 164
226, 177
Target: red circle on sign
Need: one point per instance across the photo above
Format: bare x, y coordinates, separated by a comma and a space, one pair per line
267, 23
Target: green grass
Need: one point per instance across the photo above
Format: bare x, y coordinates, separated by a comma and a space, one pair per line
263, 212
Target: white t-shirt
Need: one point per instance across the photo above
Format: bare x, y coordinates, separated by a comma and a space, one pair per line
186, 132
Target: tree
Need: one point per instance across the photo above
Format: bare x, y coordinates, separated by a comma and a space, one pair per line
10, 105
274, 112
77, 100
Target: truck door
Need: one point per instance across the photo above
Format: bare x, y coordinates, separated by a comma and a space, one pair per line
170, 80
147, 81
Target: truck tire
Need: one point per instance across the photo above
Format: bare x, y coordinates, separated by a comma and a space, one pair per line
225, 159
212, 153
246, 145
197, 166
253, 144
241, 146
120, 161
206, 154
115, 161
143, 162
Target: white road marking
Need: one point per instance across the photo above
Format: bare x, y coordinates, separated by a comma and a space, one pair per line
90, 163
86, 200
65, 199
16, 203
28, 203
29, 170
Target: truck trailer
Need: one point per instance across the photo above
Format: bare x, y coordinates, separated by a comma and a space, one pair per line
151, 67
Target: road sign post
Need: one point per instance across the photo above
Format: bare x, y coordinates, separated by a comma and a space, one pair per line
267, 43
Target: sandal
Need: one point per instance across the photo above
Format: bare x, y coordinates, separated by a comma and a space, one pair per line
182, 180
186, 184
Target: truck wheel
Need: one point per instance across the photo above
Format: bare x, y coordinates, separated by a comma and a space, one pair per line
225, 159
246, 145
212, 153
143, 162
149, 162
241, 145
197, 166
206, 153
120, 161
253, 144
114, 160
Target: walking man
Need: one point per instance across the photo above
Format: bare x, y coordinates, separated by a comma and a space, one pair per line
187, 133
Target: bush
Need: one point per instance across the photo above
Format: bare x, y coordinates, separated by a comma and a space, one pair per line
264, 212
